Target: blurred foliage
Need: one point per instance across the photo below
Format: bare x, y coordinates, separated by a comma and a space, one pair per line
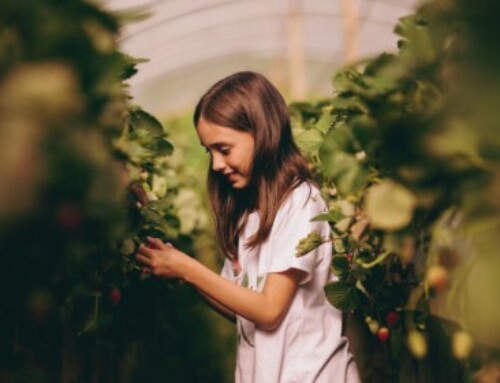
190, 163
406, 152
85, 177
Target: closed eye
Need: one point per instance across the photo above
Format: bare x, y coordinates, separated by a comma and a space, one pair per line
225, 150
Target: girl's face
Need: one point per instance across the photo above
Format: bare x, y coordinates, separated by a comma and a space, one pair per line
231, 151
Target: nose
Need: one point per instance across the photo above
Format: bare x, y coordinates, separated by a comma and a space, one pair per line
218, 164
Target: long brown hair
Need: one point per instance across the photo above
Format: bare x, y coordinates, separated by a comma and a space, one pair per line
247, 101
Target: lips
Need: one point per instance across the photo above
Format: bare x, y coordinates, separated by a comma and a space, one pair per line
231, 176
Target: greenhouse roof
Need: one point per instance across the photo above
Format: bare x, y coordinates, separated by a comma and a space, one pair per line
297, 44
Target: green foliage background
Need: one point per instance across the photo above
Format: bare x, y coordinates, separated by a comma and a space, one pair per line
408, 160
85, 177
406, 152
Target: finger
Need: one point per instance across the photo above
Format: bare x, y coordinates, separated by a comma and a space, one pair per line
143, 260
155, 242
144, 250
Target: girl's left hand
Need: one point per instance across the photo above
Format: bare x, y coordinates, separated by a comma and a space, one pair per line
161, 259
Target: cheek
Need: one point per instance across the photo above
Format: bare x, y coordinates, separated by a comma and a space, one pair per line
248, 160
250, 154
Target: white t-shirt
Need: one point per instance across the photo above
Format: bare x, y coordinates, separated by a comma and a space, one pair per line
308, 345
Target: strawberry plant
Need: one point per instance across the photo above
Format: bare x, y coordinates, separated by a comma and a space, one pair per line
405, 160
84, 179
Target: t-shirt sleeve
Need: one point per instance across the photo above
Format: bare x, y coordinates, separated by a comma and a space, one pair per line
293, 223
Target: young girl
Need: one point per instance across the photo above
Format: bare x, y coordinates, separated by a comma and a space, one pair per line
263, 201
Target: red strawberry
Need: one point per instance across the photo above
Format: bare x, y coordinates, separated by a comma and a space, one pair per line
115, 296
392, 318
69, 216
139, 193
383, 334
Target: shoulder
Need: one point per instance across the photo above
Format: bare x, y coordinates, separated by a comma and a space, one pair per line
305, 198
305, 193
294, 220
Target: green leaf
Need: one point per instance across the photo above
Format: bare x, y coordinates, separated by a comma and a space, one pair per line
309, 243
305, 109
325, 122
342, 296
419, 47
345, 207
405, 25
389, 205
380, 85
340, 139
348, 174
310, 140
349, 103
351, 82
378, 64
332, 216
343, 224
144, 126
364, 129
353, 179
456, 141
348, 80
161, 206
163, 147
334, 163
152, 231
340, 265
426, 100
245, 280
151, 216
135, 151
172, 221
127, 247
338, 245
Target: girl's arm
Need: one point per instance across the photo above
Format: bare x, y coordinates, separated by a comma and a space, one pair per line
217, 306
266, 309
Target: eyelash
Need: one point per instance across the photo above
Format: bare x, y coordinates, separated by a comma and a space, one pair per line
225, 151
